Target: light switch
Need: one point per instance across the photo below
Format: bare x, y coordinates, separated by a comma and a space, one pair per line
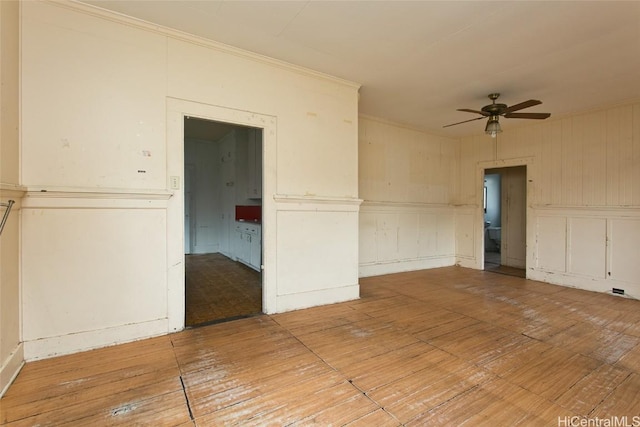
175, 182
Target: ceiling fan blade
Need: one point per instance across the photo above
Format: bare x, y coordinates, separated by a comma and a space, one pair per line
459, 123
522, 105
537, 116
484, 113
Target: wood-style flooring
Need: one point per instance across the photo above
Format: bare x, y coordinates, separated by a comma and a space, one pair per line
218, 288
441, 347
492, 263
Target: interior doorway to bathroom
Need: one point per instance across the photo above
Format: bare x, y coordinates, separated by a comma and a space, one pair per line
505, 220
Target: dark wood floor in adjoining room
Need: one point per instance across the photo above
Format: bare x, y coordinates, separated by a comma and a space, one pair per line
448, 346
218, 288
492, 263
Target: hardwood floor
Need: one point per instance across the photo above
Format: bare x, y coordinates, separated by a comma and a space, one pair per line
492, 263
448, 346
218, 288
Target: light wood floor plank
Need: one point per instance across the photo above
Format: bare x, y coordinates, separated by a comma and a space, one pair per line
448, 346
624, 400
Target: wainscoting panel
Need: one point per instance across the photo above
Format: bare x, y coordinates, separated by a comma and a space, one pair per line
588, 248
465, 219
551, 252
94, 269
398, 237
317, 251
624, 265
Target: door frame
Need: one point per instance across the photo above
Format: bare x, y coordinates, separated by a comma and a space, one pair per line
189, 236
177, 110
529, 163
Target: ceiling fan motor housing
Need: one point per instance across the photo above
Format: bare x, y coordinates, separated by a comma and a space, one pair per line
494, 109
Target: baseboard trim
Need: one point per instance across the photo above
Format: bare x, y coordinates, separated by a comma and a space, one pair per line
45, 348
315, 298
378, 269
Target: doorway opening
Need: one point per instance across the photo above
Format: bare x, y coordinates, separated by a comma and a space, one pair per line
505, 220
222, 221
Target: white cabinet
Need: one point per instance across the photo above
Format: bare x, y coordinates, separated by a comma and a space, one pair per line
249, 244
254, 164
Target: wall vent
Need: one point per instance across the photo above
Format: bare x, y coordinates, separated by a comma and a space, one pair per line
618, 291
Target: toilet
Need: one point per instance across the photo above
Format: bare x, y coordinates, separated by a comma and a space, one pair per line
494, 235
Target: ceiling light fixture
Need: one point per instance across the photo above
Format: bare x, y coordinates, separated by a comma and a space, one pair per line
493, 127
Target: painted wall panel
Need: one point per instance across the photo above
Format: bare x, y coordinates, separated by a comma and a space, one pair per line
408, 242
407, 180
388, 229
445, 226
518, 143
587, 246
405, 237
107, 83
625, 248
9, 91
551, 238
316, 251
465, 242
367, 237
594, 150
397, 164
619, 155
635, 158
548, 191
92, 269
572, 160
428, 234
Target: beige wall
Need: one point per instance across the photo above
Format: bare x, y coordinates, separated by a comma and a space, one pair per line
11, 352
103, 103
583, 196
406, 180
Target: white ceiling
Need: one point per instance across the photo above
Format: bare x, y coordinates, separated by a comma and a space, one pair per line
418, 61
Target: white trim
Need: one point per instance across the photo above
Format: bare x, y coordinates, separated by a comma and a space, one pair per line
11, 367
379, 206
588, 211
97, 193
572, 280
530, 232
402, 265
45, 348
302, 300
315, 203
14, 188
95, 199
177, 109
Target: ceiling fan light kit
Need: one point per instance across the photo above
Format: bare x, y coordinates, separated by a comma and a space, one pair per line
494, 111
493, 127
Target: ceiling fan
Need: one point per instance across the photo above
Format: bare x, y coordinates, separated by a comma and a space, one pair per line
494, 111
